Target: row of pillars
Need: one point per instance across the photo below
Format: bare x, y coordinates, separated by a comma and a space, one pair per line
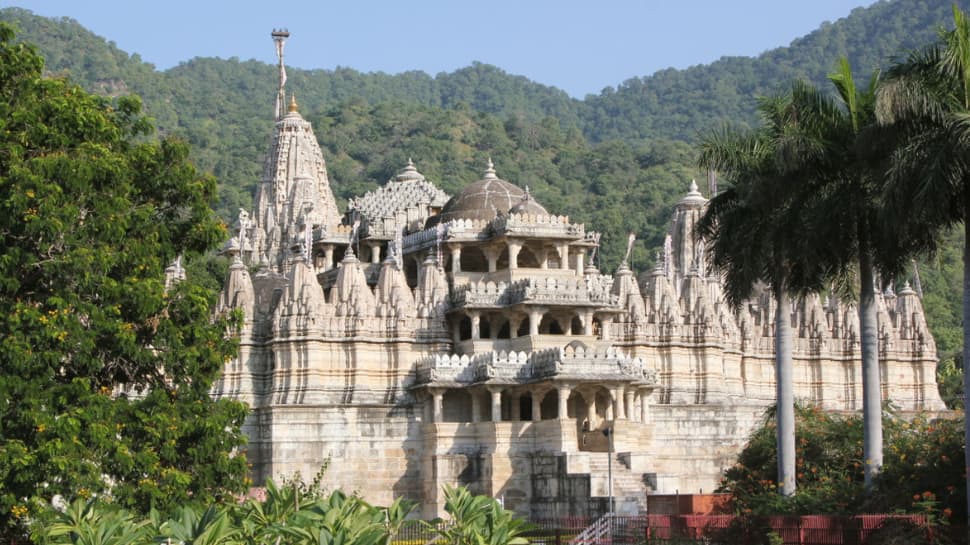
621, 407
493, 253
534, 316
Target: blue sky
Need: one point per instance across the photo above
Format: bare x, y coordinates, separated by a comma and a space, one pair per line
578, 46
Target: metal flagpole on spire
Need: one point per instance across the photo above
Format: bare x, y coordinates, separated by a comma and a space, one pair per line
279, 37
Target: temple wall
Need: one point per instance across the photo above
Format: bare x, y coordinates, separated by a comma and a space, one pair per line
374, 451
694, 444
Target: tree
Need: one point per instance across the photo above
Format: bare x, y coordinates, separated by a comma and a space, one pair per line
926, 101
755, 235
843, 167
104, 371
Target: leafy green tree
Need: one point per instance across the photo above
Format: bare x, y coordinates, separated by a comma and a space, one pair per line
104, 372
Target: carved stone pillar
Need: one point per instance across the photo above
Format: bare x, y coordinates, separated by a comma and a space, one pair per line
375, 252
563, 391
476, 407
496, 403
327, 257
628, 402
456, 331
645, 405
563, 255
514, 323
534, 317
605, 323
491, 254
537, 396
580, 261
476, 323
543, 258
588, 323
455, 259
514, 248
437, 395
618, 411
590, 411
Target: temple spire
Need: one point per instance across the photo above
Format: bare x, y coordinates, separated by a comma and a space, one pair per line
279, 37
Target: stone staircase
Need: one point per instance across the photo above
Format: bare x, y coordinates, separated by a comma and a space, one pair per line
629, 491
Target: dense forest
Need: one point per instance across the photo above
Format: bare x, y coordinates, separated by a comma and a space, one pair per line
617, 161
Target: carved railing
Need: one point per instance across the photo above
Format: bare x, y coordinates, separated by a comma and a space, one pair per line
537, 225
571, 362
549, 291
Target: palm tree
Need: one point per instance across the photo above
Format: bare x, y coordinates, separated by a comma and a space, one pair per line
754, 234
842, 167
925, 100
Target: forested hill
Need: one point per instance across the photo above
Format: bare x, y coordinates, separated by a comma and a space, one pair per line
681, 103
668, 104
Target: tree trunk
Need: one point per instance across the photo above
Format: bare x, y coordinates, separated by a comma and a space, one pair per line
785, 410
871, 389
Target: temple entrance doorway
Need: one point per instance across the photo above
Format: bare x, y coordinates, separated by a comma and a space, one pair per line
593, 416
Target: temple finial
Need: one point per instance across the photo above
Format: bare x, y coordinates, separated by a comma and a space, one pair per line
279, 37
490, 170
293, 106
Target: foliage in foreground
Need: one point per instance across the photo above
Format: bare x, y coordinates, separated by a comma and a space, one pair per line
478, 520
104, 371
291, 514
923, 471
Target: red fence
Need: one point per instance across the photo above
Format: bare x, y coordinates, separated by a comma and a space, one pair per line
719, 529
793, 530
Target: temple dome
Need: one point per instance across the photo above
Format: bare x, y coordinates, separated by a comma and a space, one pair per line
482, 200
529, 205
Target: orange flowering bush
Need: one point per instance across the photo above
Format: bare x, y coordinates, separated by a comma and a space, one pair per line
922, 473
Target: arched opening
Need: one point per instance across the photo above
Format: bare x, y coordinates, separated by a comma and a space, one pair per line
473, 260
503, 260
504, 331
528, 259
484, 402
465, 328
593, 408
523, 328
411, 272
456, 406
597, 327
484, 328
550, 326
576, 326
550, 405
525, 407
552, 258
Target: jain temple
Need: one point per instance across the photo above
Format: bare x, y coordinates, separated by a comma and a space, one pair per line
421, 339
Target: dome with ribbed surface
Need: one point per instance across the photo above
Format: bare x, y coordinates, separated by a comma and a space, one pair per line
482, 200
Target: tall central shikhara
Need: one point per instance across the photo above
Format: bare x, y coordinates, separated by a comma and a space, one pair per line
280, 36
293, 199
